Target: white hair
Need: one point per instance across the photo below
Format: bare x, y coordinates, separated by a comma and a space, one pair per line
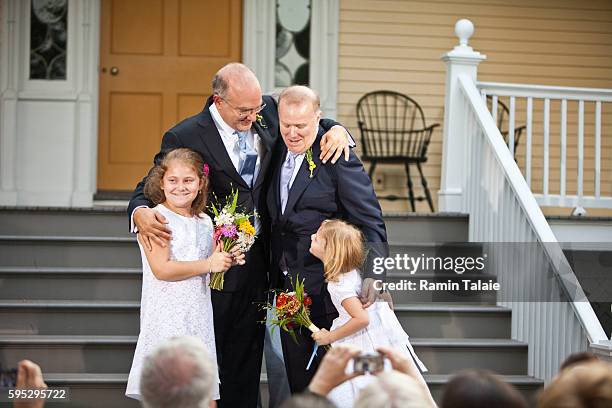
392, 390
178, 374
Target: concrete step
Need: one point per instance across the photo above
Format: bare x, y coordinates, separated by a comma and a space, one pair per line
435, 248
70, 353
446, 356
65, 251
113, 221
95, 390
107, 390
70, 283
438, 227
104, 390
61, 221
63, 317
449, 355
455, 321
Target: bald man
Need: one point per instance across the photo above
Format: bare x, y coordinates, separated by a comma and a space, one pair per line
300, 199
236, 125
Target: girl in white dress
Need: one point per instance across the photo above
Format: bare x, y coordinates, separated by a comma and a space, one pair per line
176, 299
339, 246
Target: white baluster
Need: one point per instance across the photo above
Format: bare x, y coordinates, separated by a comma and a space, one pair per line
580, 150
494, 109
546, 144
528, 145
563, 147
597, 149
511, 127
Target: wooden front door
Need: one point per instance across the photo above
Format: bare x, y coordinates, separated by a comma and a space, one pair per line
157, 60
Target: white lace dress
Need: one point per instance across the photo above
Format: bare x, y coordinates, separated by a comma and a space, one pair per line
182, 308
384, 330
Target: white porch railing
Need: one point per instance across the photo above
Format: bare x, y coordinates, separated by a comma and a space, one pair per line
584, 128
480, 177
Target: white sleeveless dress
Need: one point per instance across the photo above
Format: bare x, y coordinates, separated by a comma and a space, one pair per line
384, 330
172, 309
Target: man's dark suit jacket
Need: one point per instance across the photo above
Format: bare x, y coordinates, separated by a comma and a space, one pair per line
342, 191
199, 133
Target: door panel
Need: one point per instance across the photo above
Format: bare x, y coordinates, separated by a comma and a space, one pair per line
132, 117
195, 37
189, 104
157, 59
137, 27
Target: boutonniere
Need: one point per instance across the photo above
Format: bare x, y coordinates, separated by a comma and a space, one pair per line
261, 122
311, 163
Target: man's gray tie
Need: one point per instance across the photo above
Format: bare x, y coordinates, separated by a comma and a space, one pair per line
286, 173
248, 158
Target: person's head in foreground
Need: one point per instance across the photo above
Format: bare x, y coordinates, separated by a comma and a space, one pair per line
178, 374
585, 385
578, 358
392, 389
307, 400
339, 245
480, 389
299, 113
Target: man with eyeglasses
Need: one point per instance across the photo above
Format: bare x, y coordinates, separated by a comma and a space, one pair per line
237, 134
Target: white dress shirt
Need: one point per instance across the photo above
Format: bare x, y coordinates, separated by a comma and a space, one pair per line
230, 139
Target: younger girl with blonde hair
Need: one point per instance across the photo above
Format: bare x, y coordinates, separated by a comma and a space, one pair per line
340, 247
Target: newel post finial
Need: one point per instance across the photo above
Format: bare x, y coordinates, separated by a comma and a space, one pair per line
464, 29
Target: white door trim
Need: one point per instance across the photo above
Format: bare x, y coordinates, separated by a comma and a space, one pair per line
259, 46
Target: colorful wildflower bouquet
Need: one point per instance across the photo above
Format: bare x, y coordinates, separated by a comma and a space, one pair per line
292, 310
232, 228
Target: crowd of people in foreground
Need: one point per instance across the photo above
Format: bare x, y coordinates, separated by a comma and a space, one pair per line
181, 374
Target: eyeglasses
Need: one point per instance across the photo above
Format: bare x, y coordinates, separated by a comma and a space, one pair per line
243, 113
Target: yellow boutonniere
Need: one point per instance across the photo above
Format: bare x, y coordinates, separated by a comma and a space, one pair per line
260, 120
311, 163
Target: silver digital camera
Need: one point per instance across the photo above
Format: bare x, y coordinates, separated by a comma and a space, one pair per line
368, 363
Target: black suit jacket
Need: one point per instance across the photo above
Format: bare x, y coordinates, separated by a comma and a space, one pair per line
342, 191
199, 133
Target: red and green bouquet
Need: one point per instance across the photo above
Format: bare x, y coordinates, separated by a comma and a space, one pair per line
292, 310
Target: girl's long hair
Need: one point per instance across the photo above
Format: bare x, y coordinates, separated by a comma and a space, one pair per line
344, 250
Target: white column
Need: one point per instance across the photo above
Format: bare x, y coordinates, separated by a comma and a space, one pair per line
324, 53
259, 40
9, 78
462, 60
86, 109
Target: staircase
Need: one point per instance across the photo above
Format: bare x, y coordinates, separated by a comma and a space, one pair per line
70, 290
69, 300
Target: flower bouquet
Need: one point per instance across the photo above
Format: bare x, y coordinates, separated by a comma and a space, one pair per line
291, 310
232, 228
